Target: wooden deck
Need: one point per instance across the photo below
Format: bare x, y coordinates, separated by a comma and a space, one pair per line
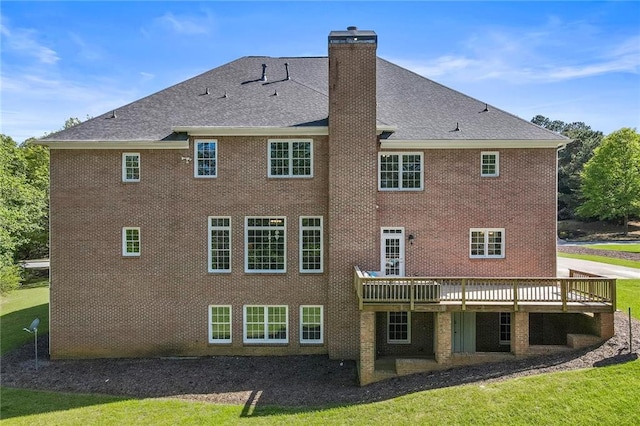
431, 294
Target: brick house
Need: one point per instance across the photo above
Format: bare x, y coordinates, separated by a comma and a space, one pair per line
313, 205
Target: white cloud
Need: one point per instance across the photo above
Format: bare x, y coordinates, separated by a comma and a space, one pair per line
189, 25
535, 56
24, 41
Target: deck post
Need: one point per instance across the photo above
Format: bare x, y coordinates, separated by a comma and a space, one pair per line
520, 333
604, 324
367, 363
443, 344
464, 294
563, 294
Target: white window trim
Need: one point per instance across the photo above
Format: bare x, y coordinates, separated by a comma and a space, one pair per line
266, 325
312, 341
124, 166
400, 154
221, 341
399, 341
290, 175
124, 242
321, 228
209, 256
246, 246
505, 342
486, 243
497, 154
195, 158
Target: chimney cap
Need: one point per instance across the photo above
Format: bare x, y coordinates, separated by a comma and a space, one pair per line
353, 35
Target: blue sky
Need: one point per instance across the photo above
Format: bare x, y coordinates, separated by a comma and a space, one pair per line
570, 61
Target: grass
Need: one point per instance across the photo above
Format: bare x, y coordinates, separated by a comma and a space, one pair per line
628, 248
606, 395
18, 310
628, 296
603, 259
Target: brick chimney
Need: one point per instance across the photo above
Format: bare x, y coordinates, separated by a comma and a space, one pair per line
352, 226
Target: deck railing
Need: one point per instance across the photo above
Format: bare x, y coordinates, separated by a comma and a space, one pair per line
463, 291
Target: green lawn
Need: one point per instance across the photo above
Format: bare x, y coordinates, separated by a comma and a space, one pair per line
629, 248
18, 310
607, 395
628, 294
603, 259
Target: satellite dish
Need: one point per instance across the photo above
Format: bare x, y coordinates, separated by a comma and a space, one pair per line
34, 326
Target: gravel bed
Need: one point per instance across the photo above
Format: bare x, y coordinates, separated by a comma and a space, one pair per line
291, 381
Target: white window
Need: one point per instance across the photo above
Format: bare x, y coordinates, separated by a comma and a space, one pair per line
265, 242
400, 171
486, 243
311, 258
131, 241
311, 321
205, 156
131, 167
398, 327
219, 244
489, 164
219, 324
290, 158
505, 328
266, 324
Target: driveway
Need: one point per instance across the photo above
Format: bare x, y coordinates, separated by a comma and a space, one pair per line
604, 269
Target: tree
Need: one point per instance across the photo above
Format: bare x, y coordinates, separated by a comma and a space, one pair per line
611, 178
571, 160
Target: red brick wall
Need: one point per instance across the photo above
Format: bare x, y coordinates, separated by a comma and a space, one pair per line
522, 200
104, 304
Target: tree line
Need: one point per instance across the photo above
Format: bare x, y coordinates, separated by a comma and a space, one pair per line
598, 177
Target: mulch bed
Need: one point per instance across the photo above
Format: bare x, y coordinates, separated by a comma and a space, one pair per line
597, 252
291, 381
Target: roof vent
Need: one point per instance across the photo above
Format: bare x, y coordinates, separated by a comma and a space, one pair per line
457, 129
352, 28
286, 67
206, 92
264, 73
113, 114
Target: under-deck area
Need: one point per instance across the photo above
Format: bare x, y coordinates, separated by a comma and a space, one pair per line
415, 324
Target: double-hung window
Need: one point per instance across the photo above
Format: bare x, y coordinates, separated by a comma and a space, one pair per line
131, 167
290, 158
265, 244
311, 324
400, 171
489, 164
505, 328
486, 243
219, 244
266, 324
131, 241
219, 324
311, 259
398, 327
205, 163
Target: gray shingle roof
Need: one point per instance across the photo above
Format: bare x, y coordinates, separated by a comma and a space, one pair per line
419, 108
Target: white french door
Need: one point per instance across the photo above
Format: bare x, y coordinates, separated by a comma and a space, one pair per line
392, 252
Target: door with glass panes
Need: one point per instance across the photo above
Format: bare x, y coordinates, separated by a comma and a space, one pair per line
392, 252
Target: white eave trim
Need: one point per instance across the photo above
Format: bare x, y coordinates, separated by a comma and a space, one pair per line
114, 144
471, 144
214, 131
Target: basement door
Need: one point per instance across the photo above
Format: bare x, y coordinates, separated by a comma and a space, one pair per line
464, 332
392, 252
